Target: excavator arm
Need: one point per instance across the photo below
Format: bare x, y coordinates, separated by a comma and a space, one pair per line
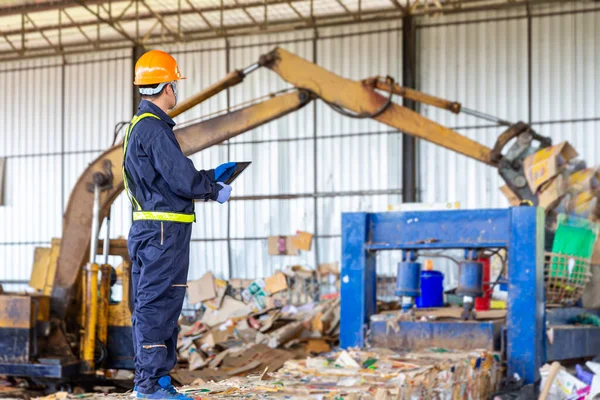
365, 102
371, 98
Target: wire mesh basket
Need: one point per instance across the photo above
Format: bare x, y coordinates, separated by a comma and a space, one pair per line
565, 278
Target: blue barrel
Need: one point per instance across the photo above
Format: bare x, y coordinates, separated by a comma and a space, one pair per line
408, 280
470, 279
432, 290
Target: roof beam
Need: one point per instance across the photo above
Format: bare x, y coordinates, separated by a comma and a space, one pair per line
299, 14
162, 21
170, 13
206, 21
55, 47
117, 28
245, 11
10, 43
125, 10
89, 39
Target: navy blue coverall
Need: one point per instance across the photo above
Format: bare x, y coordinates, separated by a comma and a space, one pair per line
160, 178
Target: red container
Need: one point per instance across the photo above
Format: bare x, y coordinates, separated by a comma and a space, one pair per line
483, 303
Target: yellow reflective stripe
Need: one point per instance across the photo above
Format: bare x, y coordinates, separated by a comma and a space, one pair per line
163, 216
132, 199
134, 121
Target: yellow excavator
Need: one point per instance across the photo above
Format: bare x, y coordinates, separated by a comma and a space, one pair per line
70, 329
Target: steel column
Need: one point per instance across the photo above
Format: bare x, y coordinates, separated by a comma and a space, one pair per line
136, 53
526, 305
359, 280
409, 143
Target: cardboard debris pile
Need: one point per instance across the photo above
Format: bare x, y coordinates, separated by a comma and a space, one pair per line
247, 326
376, 374
379, 374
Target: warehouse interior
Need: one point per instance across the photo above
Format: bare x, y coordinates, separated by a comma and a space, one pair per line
341, 207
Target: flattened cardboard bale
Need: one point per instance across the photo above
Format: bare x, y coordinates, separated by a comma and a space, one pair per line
302, 240
546, 163
276, 283
281, 246
201, 289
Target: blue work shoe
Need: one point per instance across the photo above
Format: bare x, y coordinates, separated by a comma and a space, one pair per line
166, 391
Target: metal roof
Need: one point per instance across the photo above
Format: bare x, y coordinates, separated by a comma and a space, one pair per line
55, 27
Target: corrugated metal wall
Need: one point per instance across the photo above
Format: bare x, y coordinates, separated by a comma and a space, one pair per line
541, 70
56, 117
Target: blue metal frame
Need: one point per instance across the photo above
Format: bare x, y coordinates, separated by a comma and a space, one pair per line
518, 229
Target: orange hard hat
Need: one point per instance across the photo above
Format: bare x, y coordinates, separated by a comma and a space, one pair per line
156, 67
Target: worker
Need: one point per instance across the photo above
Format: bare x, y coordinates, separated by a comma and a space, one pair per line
162, 184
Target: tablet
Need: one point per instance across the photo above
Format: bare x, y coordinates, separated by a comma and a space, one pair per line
239, 168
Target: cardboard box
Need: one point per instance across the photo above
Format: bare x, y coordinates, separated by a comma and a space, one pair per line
220, 290
202, 289
581, 205
552, 192
276, 283
281, 246
585, 180
547, 163
512, 198
302, 240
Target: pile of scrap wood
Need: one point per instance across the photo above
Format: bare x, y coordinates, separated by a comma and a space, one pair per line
245, 330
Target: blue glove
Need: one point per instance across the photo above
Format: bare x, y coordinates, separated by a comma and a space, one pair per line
224, 171
224, 193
